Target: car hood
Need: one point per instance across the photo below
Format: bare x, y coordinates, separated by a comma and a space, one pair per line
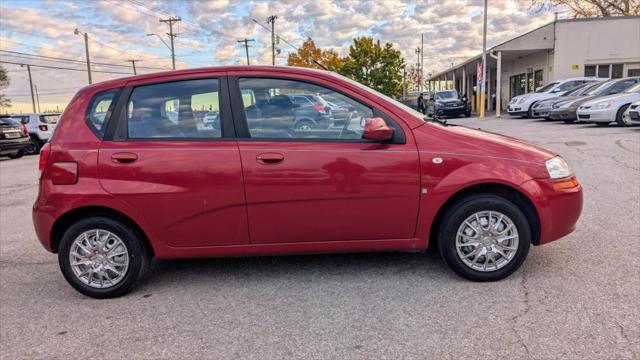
621, 97
477, 142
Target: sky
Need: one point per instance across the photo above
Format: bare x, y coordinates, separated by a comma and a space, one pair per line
209, 31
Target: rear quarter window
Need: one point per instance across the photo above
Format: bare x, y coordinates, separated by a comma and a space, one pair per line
100, 110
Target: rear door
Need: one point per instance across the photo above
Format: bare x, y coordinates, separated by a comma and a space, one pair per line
322, 183
177, 170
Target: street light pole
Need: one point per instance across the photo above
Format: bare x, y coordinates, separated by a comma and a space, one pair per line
86, 51
484, 63
33, 99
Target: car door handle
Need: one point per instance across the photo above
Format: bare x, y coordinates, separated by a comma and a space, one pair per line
269, 158
124, 157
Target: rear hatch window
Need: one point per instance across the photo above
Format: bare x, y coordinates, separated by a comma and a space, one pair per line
51, 119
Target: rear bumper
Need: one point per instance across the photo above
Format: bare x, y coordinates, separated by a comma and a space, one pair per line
558, 210
12, 146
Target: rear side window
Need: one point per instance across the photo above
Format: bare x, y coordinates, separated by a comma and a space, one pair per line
49, 119
182, 109
99, 111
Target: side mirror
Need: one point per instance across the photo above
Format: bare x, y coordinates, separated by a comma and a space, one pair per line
377, 129
464, 99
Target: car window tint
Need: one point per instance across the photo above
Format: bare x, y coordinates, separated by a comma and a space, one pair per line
181, 109
98, 110
275, 112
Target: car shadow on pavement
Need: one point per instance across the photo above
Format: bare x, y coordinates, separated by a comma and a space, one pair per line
220, 271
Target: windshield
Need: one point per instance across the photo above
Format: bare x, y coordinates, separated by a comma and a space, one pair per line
547, 87
397, 103
635, 89
579, 90
603, 88
49, 119
452, 94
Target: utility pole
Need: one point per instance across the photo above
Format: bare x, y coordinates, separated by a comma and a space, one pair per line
33, 99
272, 19
246, 47
419, 52
86, 51
133, 63
484, 63
37, 97
421, 59
170, 21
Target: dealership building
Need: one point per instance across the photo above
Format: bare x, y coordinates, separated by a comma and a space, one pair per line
603, 47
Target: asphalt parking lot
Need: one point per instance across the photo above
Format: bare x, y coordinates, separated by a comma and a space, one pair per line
575, 298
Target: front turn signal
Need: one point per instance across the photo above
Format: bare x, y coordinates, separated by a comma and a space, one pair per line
567, 184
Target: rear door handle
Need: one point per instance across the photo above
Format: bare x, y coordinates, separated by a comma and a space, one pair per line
269, 158
124, 157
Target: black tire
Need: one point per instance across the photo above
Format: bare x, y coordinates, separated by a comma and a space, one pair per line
466, 207
303, 125
34, 146
139, 256
619, 115
468, 114
17, 155
602, 124
530, 112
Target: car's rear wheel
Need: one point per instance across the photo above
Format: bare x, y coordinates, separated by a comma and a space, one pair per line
34, 146
619, 114
484, 237
102, 257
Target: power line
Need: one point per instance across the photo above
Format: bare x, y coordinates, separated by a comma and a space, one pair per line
52, 58
63, 68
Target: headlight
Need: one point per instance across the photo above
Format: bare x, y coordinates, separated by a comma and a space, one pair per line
558, 168
602, 105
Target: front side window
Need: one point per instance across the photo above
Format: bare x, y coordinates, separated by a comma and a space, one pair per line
279, 108
182, 110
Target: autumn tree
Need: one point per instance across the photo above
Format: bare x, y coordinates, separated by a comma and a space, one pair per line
309, 55
591, 8
4, 83
414, 78
375, 65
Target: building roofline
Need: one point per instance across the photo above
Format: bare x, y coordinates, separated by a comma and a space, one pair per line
475, 57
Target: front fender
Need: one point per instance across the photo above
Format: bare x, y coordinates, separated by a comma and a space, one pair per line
443, 181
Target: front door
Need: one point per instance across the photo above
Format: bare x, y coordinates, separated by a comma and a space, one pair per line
173, 160
323, 182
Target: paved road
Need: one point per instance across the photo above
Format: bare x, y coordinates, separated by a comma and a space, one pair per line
576, 298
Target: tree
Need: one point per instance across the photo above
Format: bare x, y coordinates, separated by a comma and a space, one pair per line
309, 52
413, 77
592, 8
4, 83
377, 66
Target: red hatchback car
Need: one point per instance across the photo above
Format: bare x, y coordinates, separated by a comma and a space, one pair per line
221, 162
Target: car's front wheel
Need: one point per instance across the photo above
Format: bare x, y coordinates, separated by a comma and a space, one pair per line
619, 115
102, 257
484, 237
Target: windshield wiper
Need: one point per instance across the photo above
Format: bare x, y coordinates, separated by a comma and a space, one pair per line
436, 119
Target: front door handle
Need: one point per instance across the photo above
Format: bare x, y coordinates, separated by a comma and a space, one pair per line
124, 157
269, 158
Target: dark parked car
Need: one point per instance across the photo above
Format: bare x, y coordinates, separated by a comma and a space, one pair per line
14, 137
566, 110
448, 103
112, 198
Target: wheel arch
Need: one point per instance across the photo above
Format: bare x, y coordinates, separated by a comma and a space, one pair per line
72, 216
508, 192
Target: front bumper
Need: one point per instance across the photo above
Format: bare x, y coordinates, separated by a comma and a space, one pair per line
517, 110
591, 115
541, 111
448, 111
632, 117
558, 210
564, 114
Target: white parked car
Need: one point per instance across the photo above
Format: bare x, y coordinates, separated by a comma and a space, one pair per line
632, 115
522, 105
607, 109
40, 127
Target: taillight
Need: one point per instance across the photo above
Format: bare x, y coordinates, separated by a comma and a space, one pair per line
25, 130
44, 157
43, 127
319, 107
